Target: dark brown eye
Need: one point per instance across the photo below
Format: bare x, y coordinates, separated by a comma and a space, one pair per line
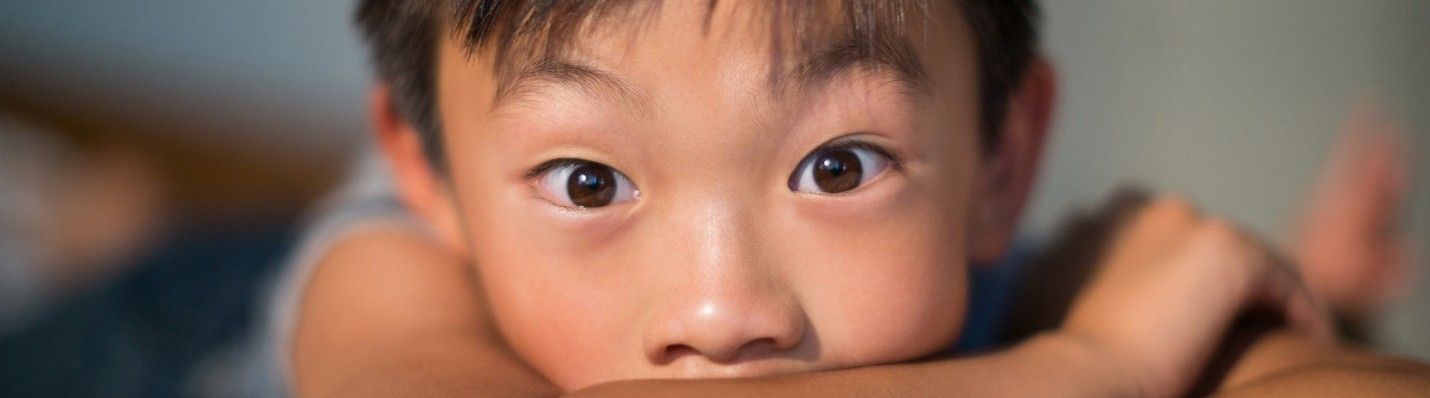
583, 184
838, 170
591, 185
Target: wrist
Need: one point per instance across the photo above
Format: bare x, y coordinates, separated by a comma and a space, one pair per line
1090, 364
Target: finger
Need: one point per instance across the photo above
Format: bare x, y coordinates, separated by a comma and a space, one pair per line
1282, 287
1269, 280
1158, 226
1303, 310
1395, 279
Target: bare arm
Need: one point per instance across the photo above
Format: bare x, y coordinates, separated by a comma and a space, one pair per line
388, 313
1049, 365
1261, 356
1284, 363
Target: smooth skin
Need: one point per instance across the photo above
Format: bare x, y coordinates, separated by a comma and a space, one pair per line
449, 347
717, 268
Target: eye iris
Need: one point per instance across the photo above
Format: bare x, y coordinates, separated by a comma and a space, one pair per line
591, 185
837, 171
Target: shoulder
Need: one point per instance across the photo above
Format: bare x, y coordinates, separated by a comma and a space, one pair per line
376, 291
385, 272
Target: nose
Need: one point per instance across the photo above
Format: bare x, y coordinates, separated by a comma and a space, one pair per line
727, 330
728, 305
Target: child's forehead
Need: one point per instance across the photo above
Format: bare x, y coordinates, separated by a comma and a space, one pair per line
797, 46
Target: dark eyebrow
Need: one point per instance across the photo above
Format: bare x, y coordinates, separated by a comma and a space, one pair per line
894, 55
590, 80
814, 73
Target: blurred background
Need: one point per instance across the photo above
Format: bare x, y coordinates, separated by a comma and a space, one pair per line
157, 156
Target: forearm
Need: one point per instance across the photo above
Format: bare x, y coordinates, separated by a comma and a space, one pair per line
1283, 363
1048, 365
358, 334
1341, 380
390, 313
426, 369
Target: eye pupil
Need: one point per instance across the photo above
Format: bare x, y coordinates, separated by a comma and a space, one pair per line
591, 185
837, 171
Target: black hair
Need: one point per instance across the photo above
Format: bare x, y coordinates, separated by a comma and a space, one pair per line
403, 37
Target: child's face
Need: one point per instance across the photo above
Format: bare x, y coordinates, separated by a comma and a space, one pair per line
732, 225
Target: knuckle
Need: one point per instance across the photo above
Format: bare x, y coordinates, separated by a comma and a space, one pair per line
1224, 238
1171, 208
1218, 230
1173, 203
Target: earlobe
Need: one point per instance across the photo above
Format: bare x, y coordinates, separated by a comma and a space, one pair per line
1008, 174
418, 186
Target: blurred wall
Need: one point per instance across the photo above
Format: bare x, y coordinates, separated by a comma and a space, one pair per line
266, 76
250, 108
1233, 103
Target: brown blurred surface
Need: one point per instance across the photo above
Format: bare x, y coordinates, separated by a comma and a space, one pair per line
204, 182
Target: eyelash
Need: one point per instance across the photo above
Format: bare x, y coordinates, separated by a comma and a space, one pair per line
856, 143
895, 162
552, 164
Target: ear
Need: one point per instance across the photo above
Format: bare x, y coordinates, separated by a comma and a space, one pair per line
1007, 176
419, 187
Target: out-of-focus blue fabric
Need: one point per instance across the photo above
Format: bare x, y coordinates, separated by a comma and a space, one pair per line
145, 333
992, 288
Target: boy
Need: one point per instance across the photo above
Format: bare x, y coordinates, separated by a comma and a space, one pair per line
692, 190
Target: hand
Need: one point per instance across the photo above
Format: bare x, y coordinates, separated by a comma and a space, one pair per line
1169, 288
1346, 240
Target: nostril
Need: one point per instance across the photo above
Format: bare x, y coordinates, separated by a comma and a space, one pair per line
761, 348
725, 329
675, 351
751, 349
762, 345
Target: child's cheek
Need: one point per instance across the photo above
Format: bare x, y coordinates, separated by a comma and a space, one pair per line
885, 289
552, 302
882, 317
572, 334
881, 275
